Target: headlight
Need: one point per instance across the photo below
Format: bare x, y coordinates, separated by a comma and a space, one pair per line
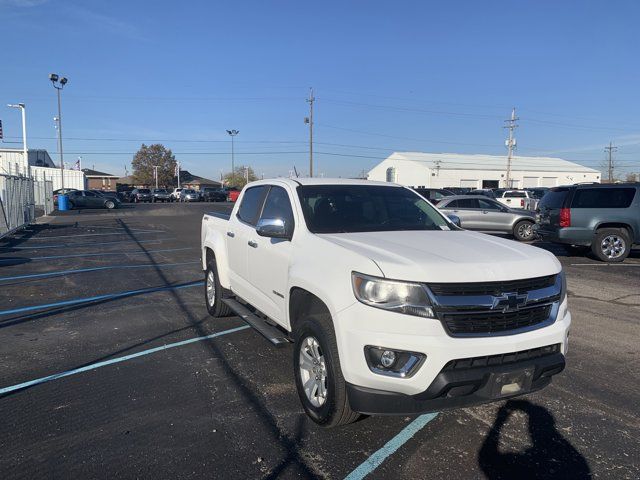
401, 297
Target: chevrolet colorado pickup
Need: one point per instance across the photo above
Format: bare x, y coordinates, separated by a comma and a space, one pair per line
391, 308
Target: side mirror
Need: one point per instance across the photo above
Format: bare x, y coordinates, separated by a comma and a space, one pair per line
455, 220
273, 227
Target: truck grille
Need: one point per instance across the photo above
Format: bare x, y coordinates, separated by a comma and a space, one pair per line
492, 322
492, 288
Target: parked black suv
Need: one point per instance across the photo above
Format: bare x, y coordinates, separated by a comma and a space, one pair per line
604, 217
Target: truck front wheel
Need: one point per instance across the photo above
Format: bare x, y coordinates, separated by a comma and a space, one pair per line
319, 381
213, 292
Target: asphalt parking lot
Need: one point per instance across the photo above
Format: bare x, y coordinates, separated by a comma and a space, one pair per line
111, 367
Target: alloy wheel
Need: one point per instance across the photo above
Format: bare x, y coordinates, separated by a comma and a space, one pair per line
613, 246
313, 371
211, 288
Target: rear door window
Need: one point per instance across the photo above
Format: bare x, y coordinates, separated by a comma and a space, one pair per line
468, 203
251, 205
603, 197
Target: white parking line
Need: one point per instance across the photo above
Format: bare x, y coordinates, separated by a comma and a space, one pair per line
605, 264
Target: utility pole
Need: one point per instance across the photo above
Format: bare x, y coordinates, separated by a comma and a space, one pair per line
309, 120
610, 149
511, 144
155, 174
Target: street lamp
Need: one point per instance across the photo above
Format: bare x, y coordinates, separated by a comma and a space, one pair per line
59, 83
232, 133
24, 133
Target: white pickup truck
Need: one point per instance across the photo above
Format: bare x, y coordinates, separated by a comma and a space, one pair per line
522, 199
391, 308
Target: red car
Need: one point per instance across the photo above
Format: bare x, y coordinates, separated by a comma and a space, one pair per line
233, 194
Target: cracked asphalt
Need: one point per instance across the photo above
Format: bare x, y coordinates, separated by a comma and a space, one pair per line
119, 284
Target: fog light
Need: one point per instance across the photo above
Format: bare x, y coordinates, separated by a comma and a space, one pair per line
388, 358
393, 363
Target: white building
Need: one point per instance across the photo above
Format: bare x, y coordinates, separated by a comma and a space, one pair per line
42, 168
441, 170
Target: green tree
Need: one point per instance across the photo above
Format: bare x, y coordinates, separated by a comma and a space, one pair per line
239, 177
150, 155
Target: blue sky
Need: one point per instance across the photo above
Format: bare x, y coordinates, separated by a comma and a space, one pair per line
403, 75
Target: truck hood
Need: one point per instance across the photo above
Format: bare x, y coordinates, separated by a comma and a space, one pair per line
448, 256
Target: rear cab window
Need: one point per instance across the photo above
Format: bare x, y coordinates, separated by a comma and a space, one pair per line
603, 197
515, 195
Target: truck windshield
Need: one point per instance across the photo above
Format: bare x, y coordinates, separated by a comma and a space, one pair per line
366, 208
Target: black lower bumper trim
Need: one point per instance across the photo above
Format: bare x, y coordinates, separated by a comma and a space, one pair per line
456, 388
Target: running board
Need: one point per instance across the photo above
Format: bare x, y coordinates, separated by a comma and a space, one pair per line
271, 333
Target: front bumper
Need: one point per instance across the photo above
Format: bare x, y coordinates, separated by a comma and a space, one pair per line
459, 387
360, 325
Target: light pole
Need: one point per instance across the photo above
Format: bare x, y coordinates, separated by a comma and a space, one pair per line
233, 133
59, 83
24, 134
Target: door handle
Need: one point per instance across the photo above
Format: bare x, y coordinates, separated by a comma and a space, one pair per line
484, 211
253, 244
231, 234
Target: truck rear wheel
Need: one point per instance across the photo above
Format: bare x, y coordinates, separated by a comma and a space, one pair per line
611, 245
213, 292
319, 381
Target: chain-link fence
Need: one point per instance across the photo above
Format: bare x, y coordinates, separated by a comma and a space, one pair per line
17, 206
43, 197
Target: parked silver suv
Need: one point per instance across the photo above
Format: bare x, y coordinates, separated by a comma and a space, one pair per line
487, 215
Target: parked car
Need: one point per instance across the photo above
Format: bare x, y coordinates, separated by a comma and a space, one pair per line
124, 193
188, 195
522, 199
140, 195
604, 218
392, 309
175, 194
62, 191
211, 194
485, 192
434, 195
487, 215
232, 194
538, 192
160, 195
90, 199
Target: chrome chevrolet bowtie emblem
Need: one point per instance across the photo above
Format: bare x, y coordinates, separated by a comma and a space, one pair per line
509, 301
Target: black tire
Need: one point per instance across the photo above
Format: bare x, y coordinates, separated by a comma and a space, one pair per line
611, 245
109, 205
335, 410
215, 307
523, 231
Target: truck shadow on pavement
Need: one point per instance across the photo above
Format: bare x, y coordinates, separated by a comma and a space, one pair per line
550, 456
